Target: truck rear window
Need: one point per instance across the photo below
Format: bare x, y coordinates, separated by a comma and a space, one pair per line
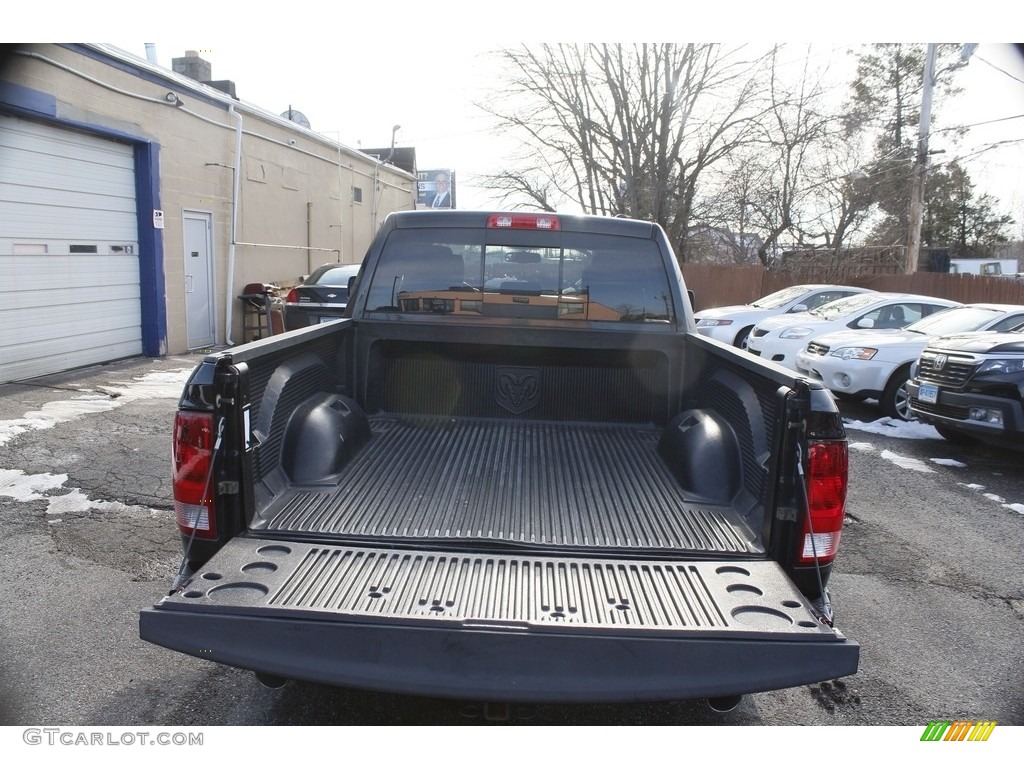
578, 277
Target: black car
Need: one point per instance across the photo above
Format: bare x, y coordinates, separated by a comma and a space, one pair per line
972, 387
321, 297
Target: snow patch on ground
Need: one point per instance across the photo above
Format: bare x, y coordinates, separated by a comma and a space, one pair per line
907, 430
167, 384
906, 462
1018, 508
21, 487
155, 384
863, 447
949, 462
54, 413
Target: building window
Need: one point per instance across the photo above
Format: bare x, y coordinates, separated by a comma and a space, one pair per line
357, 194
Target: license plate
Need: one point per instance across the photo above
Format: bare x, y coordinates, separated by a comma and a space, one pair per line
928, 393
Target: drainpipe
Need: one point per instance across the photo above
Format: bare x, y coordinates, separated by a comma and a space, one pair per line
309, 238
237, 181
376, 198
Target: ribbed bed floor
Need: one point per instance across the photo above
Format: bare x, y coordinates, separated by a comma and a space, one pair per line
584, 486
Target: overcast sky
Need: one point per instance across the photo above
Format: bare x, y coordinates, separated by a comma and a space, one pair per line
356, 71
356, 91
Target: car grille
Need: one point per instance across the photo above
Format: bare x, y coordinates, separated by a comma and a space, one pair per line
814, 348
953, 372
949, 411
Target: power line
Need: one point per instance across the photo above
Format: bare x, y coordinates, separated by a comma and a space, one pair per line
999, 69
984, 122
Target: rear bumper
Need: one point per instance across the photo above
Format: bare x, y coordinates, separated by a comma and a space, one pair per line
500, 627
304, 315
499, 663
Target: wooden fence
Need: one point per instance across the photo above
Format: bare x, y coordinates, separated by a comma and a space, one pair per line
717, 285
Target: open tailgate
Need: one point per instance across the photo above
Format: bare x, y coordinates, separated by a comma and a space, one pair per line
500, 627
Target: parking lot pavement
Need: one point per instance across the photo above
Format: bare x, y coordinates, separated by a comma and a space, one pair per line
89, 539
89, 446
107, 428
89, 535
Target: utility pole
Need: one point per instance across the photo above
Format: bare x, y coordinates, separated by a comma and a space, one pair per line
921, 161
920, 164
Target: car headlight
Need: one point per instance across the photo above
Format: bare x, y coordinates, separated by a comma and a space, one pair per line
796, 333
1002, 365
854, 353
709, 322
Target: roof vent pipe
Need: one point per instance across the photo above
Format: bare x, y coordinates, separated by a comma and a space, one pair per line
151, 53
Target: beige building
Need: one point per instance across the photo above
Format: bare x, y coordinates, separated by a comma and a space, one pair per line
137, 202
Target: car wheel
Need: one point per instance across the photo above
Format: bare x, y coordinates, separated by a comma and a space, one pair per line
952, 435
741, 337
895, 400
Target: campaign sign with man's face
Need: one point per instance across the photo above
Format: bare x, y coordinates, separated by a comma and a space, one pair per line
435, 189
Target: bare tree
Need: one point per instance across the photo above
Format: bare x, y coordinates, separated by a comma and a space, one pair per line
790, 144
727, 205
628, 130
820, 188
845, 200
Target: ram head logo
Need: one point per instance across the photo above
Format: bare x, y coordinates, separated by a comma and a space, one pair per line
518, 389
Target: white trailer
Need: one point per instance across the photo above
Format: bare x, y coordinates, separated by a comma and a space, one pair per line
987, 267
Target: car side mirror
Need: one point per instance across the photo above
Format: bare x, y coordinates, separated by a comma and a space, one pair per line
799, 308
865, 322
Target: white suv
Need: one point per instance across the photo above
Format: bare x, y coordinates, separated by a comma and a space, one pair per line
860, 364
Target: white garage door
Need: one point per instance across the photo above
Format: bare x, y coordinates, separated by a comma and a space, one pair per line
69, 252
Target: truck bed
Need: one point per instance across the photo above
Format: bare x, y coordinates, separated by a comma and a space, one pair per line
506, 493
578, 487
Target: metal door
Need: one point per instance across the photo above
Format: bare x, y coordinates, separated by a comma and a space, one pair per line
199, 305
69, 250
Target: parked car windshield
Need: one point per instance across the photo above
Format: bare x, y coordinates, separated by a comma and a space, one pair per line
781, 298
842, 307
956, 320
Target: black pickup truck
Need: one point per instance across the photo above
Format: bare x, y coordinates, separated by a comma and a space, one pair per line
513, 472
971, 387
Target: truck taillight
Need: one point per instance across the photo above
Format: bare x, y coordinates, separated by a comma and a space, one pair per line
523, 221
827, 467
192, 465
